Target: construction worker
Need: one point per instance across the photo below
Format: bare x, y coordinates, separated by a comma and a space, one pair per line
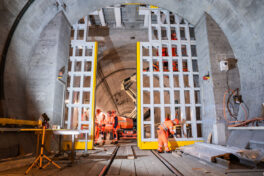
97, 125
115, 118
156, 66
175, 66
109, 123
165, 66
164, 129
102, 129
174, 36
97, 132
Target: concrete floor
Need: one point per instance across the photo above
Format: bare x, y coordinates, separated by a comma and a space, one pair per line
145, 163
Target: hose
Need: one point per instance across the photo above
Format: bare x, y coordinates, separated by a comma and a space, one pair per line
226, 105
244, 109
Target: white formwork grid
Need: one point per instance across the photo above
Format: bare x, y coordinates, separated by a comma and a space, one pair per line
80, 82
169, 75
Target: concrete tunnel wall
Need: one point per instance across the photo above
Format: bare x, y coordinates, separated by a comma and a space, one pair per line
44, 92
241, 22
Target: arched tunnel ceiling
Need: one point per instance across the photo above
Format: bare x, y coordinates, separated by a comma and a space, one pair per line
113, 68
241, 21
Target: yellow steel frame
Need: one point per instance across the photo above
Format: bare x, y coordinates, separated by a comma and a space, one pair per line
154, 144
8, 121
153, 7
138, 97
90, 144
141, 144
78, 145
81, 145
172, 144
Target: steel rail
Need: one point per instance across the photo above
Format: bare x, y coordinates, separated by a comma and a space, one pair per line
106, 167
167, 164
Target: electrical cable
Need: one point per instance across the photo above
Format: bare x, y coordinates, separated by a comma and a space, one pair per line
227, 105
242, 104
244, 109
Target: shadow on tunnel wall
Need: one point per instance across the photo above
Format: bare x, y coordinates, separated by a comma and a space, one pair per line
42, 90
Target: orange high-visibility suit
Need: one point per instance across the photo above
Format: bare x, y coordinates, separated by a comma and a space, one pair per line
97, 132
109, 123
98, 126
174, 36
163, 134
102, 130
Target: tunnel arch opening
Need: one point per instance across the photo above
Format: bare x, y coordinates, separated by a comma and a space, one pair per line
243, 49
164, 27
74, 12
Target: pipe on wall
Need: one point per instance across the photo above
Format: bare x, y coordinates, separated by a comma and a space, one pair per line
7, 44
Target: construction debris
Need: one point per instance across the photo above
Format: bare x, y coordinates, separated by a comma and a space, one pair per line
218, 154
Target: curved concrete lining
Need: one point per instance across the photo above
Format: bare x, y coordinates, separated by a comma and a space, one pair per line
240, 21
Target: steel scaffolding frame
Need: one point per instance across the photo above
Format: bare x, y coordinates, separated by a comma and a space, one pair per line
81, 85
172, 47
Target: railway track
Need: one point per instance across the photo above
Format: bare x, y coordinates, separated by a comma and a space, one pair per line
168, 165
106, 167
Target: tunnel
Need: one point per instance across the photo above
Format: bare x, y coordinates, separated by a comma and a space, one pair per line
198, 63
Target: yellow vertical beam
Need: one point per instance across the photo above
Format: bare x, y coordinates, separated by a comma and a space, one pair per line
138, 97
90, 144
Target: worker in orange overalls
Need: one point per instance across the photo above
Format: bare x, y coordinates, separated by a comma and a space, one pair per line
115, 119
156, 66
102, 129
97, 125
175, 66
174, 36
109, 123
164, 129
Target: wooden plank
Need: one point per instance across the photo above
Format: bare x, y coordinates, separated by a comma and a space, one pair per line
130, 154
153, 164
110, 150
140, 167
243, 170
179, 163
191, 166
128, 167
161, 168
116, 165
97, 168
80, 169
